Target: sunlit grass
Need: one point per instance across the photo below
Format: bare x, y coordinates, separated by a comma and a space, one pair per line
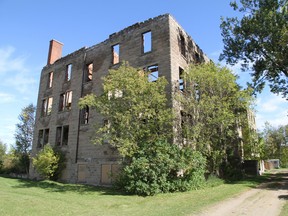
22, 197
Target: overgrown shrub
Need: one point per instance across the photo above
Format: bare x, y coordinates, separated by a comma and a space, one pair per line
48, 162
162, 167
232, 168
61, 163
14, 162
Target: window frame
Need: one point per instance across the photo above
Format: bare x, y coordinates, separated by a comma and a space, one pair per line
43, 137
85, 113
181, 80
65, 101
115, 50
47, 104
62, 135
146, 36
88, 77
152, 72
50, 80
183, 45
68, 72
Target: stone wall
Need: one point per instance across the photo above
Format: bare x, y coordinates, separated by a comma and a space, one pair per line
86, 162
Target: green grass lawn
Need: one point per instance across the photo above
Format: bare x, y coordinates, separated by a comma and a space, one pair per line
23, 197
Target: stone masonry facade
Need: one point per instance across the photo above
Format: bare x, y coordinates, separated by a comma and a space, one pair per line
160, 45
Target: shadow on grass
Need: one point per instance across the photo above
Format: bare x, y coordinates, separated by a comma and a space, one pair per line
276, 180
52, 186
284, 197
272, 181
253, 181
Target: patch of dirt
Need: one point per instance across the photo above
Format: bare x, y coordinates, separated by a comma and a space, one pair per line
265, 200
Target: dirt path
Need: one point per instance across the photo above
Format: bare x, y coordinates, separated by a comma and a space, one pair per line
267, 199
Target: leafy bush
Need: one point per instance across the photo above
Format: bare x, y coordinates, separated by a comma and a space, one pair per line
47, 162
156, 167
232, 169
14, 162
61, 163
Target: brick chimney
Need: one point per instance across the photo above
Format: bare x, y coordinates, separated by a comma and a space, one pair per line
55, 51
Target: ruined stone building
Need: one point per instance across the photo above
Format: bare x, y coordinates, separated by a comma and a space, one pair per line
160, 45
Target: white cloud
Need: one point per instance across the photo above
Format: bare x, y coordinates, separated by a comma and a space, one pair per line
7, 63
14, 73
6, 98
271, 108
20, 82
271, 104
18, 85
7, 131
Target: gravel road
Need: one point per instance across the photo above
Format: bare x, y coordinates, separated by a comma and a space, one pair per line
267, 199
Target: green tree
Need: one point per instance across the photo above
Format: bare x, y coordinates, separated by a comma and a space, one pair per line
253, 145
259, 42
276, 143
24, 136
139, 123
212, 110
3, 149
46, 162
134, 110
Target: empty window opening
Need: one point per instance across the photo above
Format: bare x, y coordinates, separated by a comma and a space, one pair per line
197, 58
85, 115
68, 72
65, 135
47, 106
40, 139
50, 80
65, 101
43, 138
62, 134
46, 136
181, 79
44, 107
58, 136
147, 42
182, 45
89, 72
115, 54
153, 73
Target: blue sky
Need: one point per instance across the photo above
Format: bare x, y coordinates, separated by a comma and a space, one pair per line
26, 27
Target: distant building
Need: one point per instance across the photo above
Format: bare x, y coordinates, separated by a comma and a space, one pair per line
159, 45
